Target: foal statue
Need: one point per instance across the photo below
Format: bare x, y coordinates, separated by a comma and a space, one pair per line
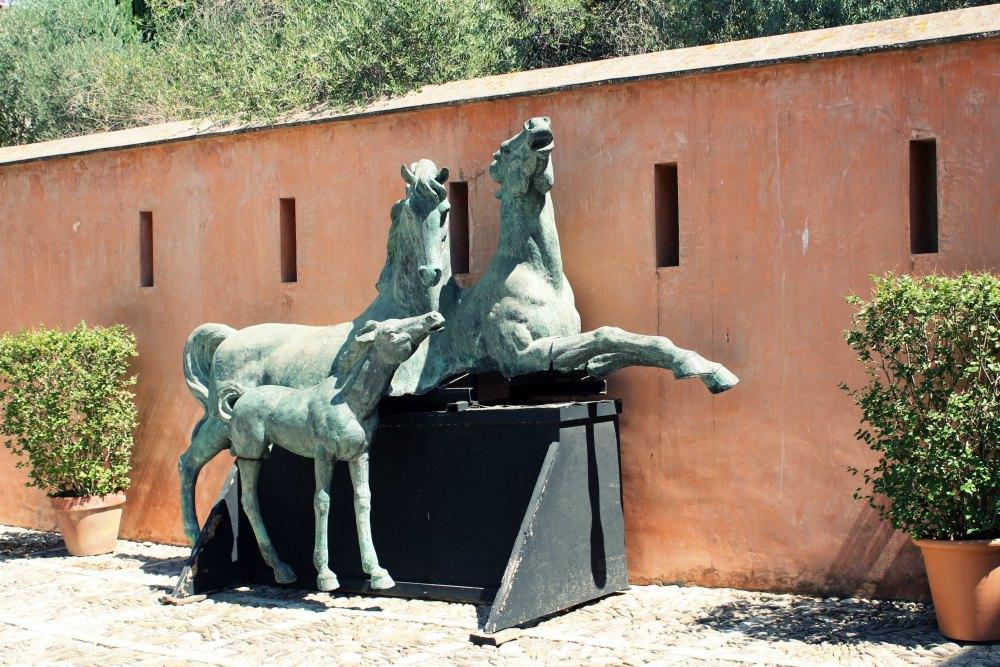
332, 420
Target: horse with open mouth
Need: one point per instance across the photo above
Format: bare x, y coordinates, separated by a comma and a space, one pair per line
521, 316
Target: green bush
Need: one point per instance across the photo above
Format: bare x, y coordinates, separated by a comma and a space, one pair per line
71, 67
67, 407
255, 59
931, 406
66, 68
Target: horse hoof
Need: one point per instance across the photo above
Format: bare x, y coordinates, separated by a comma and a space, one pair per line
327, 582
721, 380
284, 574
601, 365
382, 581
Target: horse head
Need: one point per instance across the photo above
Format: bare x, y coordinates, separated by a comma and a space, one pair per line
418, 254
523, 162
394, 341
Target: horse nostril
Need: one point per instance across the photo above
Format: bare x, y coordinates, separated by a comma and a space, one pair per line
429, 276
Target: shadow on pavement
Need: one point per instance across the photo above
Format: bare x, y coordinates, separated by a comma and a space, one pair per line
31, 545
171, 566
271, 597
973, 655
815, 621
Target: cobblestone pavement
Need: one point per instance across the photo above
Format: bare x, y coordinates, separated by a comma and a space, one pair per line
106, 610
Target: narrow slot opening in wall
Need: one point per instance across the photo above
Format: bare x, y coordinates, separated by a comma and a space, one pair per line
289, 256
666, 215
458, 226
145, 248
923, 196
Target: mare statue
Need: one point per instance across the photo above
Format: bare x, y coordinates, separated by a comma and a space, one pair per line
332, 420
521, 317
218, 358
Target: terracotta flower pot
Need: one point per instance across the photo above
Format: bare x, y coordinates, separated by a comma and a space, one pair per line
89, 524
965, 583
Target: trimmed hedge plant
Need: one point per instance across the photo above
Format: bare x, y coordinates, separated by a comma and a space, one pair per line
931, 405
67, 408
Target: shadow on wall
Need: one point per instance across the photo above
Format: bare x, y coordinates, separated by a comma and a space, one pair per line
877, 561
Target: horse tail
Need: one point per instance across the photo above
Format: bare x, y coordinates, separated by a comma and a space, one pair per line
228, 393
199, 349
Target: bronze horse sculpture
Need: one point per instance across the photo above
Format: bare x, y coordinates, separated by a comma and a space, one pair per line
332, 420
519, 318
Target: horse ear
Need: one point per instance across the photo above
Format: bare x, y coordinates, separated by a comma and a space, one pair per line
407, 175
442, 175
397, 208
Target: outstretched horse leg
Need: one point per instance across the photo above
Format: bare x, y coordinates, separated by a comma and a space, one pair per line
608, 349
326, 580
208, 439
249, 474
380, 578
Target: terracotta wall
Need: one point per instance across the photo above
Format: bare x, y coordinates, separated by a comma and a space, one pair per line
793, 188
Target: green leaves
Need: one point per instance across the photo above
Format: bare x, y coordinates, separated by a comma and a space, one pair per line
67, 408
76, 66
931, 351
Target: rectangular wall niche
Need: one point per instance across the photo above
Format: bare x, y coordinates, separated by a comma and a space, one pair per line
666, 215
458, 226
923, 197
145, 248
289, 254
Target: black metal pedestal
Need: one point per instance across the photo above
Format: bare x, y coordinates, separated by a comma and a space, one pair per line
518, 507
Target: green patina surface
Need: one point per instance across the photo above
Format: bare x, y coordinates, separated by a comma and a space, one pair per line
334, 420
520, 317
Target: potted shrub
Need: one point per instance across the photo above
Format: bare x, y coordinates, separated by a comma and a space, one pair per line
931, 411
68, 412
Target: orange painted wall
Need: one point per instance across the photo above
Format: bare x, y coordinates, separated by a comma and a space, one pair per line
793, 188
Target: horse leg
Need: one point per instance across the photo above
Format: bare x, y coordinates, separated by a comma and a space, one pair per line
510, 345
208, 439
249, 474
326, 580
608, 349
380, 578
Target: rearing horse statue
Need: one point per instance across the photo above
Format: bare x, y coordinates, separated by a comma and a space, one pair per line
521, 317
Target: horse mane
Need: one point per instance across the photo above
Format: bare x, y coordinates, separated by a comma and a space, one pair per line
391, 245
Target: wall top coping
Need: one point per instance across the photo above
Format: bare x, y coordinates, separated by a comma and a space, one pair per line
974, 23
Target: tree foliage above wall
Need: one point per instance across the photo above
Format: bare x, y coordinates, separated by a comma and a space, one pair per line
70, 67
